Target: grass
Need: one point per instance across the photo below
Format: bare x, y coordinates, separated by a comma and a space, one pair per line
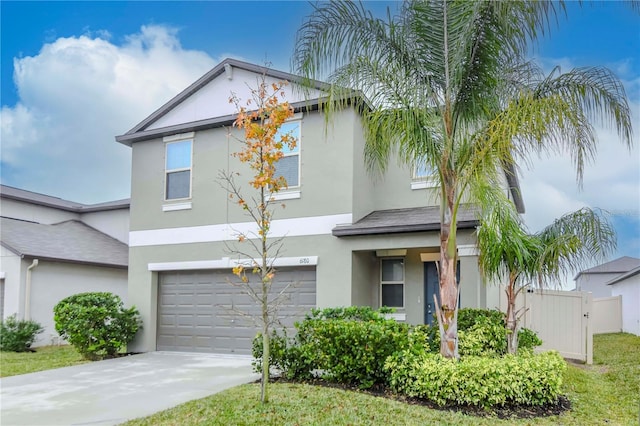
44, 358
606, 393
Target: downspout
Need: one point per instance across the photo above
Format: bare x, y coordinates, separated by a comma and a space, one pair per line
27, 292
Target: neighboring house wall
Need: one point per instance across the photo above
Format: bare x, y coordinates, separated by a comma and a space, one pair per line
596, 283
629, 290
34, 213
11, 265
114, 223
53, 281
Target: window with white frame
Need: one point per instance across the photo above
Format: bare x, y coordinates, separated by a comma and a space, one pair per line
178, 170
423, 175
289, 165
392, 283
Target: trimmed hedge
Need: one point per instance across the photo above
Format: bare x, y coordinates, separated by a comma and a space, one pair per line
343, 345
479, 381
96, 324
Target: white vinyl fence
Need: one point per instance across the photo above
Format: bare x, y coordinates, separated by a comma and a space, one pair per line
562, 320
607, 315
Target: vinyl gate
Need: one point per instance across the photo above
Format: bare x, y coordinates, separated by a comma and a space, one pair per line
607, 315
562, 320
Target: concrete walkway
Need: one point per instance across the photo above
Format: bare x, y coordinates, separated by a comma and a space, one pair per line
116, 390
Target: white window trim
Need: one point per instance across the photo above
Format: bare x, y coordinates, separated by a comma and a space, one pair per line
176, 206
167, 171
286, 195
404, 272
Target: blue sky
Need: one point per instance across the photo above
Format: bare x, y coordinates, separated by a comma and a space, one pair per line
75, 74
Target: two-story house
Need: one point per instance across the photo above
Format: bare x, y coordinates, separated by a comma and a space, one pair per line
350, 238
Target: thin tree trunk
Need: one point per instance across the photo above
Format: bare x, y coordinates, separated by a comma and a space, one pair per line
511, 321
266, 355
264, 388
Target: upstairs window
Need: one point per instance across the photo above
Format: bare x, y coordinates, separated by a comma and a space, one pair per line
392, 283
422, 170
289, 165
178, 170
423, 175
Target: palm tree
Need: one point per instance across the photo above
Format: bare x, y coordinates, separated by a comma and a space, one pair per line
541, 259
448, 82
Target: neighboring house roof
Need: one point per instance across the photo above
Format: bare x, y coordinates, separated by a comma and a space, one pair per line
620, 265
631, 273
416, 219
70, 241
12, 193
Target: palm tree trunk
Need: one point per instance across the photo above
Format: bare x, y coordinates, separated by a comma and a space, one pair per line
511, 321
448, 311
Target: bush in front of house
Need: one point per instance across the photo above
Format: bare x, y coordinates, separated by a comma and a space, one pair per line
526, 379
96, 324
343, 345
18, 335
481, 332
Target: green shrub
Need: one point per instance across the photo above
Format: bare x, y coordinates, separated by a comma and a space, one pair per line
527, 340
425, 337
96, 324
485, 338
350, 352
468, 317
479, 381
355, 313
345, 345
18, 335
285, 355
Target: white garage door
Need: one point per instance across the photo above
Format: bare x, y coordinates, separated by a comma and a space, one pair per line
198, 311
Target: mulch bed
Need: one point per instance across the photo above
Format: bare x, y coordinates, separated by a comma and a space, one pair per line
513, 411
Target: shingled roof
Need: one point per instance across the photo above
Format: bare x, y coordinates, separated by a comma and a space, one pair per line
70, 241
620, 265
416, 219
18, 194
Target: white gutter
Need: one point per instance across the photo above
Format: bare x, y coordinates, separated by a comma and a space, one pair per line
27, 293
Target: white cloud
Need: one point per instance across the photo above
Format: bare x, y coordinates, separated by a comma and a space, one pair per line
611, 182
75, 96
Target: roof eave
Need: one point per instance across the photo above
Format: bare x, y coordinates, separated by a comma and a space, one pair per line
349, 231
77, 261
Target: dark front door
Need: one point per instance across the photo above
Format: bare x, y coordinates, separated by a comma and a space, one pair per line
431, 287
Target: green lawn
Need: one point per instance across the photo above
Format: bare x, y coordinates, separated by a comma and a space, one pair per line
606, 393
45, 358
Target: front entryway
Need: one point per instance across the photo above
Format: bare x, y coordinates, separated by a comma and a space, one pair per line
201, 311
431, 287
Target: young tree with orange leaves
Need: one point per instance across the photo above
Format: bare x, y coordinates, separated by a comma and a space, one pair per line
260, 119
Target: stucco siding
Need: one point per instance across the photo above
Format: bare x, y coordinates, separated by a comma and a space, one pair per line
325, 177
53, 281
114, 223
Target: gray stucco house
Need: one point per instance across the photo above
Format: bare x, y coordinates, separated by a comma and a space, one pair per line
351, 239
52, 248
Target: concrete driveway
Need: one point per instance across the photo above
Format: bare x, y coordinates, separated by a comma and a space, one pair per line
116, 390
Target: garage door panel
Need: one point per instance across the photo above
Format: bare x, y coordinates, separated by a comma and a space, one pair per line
198, 310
